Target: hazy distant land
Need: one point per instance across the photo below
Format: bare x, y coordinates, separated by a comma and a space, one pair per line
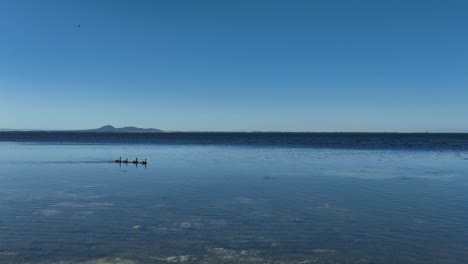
133, 129
107, 129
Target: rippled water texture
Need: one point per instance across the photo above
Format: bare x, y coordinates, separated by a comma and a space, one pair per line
68, 203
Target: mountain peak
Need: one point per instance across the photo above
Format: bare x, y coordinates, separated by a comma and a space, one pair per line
107, 127
110, 128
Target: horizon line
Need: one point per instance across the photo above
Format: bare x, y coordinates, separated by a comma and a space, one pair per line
227, 131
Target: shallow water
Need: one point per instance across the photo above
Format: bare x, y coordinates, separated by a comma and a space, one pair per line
67, 203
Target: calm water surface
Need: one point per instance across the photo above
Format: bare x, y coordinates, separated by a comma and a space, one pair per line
239, 203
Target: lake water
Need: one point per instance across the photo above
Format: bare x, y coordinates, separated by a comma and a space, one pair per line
234, 198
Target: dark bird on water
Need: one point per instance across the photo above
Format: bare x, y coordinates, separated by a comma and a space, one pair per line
136, 162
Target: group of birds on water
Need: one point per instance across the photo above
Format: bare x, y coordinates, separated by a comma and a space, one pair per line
136, 162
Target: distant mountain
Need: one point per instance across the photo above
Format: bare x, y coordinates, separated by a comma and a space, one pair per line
110, 128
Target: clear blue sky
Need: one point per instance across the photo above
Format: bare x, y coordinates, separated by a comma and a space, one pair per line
235, 65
